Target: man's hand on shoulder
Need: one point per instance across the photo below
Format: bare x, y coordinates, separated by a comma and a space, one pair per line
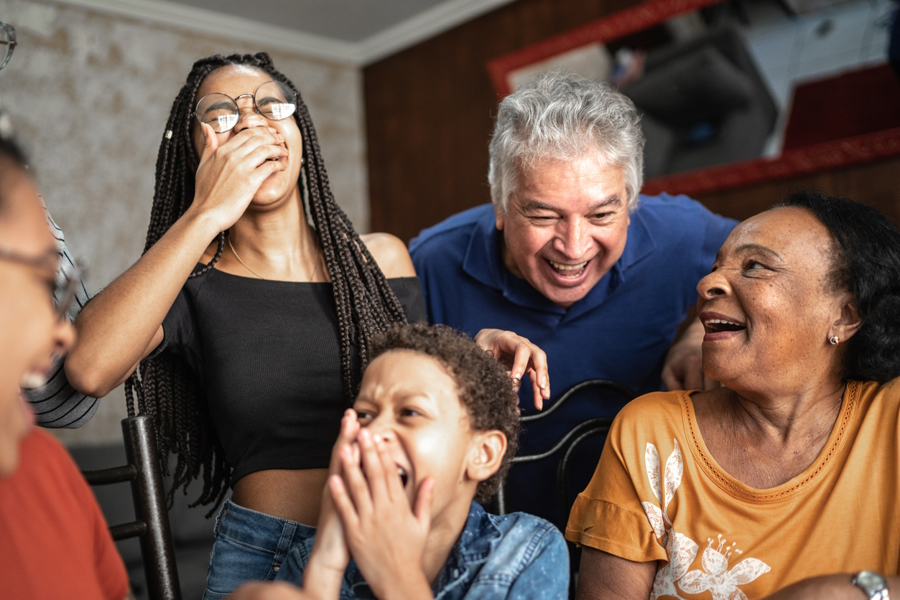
390, 253
520, 357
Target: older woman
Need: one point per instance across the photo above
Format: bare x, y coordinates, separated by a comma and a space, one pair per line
784, 481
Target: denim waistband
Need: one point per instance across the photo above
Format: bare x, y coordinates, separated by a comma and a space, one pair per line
256, 528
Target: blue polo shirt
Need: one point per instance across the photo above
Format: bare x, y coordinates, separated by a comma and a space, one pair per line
621, 330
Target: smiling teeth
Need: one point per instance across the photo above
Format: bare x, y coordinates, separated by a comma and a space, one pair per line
722, 322
560, 267
722, 325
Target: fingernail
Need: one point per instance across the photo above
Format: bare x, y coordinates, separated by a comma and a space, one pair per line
378, 439
543, 382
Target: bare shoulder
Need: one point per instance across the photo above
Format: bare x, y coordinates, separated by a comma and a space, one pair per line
390, 253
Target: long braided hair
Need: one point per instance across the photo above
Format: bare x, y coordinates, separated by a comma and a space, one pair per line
165, 386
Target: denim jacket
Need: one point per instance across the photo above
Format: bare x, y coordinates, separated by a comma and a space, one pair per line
510, 556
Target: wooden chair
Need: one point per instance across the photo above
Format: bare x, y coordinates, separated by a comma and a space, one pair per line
152, 520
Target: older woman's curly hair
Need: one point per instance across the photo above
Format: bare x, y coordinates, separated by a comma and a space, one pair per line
865, 262
482, 384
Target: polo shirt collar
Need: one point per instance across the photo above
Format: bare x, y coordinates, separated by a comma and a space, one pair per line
484, 262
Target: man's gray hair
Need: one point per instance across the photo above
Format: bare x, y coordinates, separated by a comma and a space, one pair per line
563, 116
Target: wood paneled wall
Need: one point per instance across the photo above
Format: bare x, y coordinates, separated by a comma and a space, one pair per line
876, 184
429, 111
429, 115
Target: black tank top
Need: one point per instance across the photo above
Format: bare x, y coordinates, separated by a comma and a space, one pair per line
267, 354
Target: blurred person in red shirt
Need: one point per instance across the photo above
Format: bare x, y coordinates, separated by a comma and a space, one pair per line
55, 540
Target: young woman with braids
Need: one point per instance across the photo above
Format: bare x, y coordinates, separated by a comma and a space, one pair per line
249, 346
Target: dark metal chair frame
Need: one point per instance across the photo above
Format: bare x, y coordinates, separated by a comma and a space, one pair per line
571, 439
152, 519
568, 443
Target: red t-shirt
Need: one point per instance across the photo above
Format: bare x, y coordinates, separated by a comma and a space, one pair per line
54, 542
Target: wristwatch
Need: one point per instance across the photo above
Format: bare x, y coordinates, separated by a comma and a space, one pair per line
872, 584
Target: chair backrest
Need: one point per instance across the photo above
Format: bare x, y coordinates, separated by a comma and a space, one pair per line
568, 441
589, 384
152, 521
582, 432
567, 444
585, 431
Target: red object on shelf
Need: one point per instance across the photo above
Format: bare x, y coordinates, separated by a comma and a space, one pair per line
834, 150
849, 105
630, 20
799, 161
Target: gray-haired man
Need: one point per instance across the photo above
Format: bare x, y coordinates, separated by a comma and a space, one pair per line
571, 257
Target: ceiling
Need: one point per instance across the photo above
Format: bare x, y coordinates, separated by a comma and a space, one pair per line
351, 31
347, 20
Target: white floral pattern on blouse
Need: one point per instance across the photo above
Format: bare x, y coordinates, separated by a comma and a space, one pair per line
714, 577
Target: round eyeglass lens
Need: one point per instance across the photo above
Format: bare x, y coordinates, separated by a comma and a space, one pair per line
218, 111
275, 100
7, 43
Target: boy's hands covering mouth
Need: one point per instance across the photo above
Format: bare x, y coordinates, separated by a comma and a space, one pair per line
330, 555
386, 538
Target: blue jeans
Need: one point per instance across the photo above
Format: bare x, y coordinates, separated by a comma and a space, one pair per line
250, 546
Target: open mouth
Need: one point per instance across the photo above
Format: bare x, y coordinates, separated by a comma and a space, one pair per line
569, 271
719, 325
278, 158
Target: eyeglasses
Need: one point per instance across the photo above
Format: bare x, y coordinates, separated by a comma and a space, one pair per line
68, 276
274, 100
7, 42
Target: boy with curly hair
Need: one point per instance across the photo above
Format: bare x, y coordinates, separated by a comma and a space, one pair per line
430, 435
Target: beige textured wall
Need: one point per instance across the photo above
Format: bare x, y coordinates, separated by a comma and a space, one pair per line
90, 92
